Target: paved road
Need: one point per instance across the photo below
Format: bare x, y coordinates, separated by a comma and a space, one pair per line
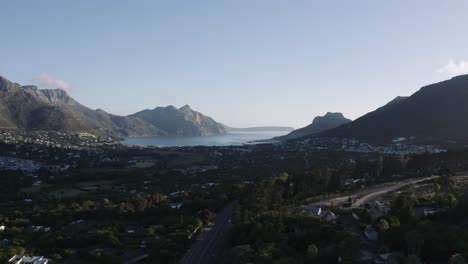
383, 190
371, 193
208, 244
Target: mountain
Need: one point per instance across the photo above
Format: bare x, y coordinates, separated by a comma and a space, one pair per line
181, 122
262, 128
436, 112
319, 124
28, 107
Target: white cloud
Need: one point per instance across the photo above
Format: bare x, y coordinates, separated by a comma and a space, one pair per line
46, 81
453, 68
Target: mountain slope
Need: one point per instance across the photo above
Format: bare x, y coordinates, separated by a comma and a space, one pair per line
28, 107
319, 124
436, 112
181, 122
31, 108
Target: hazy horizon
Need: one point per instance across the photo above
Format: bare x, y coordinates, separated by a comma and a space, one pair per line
243, 63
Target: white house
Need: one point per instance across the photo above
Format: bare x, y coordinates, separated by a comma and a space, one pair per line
313, 210
328, 216
175, 205
19, 259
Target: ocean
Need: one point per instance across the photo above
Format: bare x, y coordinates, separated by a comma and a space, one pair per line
233, 138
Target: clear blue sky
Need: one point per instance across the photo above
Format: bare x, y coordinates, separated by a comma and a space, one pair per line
243, 62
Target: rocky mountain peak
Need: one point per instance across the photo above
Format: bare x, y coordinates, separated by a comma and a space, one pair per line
331, 115
6, 85
54, 109
185, 108
319, 124
58, 96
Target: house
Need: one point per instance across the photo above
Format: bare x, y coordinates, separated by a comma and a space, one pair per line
355, 216
176, 193
328, 216
134, 256
4, 242
19, 259
209, 185
175, 205
37, 183
371, 234
134, 229
430, 211
313, 210
383, 258
366, 256
423, 211
381, 207
44, 229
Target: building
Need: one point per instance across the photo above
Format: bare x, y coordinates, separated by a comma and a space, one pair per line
313, 210
328, 216
423, 211
19, 259
175, 205
371, 234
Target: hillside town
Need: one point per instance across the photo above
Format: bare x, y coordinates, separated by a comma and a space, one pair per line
136, 204
57, 139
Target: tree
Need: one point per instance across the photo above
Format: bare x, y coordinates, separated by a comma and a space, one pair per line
379, 167
283, 177
265, 252
108, 236
348, 248
403, 207
412, 259
393, 222
151, 231
240, 254
414, 242
7, 252
312, 251
383, 225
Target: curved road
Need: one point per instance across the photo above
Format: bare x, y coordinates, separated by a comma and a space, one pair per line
383, 190
208, 244
372, 193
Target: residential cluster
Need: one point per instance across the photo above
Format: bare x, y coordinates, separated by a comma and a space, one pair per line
58, 139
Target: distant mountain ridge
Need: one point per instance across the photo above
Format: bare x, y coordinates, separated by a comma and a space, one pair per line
319, 124
28, 107
436, 112
181, 122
